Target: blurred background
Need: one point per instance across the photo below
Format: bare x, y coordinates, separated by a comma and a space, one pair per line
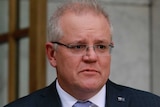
23, 64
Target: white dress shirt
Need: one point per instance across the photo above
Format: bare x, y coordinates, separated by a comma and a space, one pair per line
68, 101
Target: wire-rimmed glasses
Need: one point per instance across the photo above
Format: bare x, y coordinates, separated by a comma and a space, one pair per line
102, 49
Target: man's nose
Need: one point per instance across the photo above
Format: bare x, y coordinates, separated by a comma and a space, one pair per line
90, 54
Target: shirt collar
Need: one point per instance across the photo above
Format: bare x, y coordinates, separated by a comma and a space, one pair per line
68, 101
100, 98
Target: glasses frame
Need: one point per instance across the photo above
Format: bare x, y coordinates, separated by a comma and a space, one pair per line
70, 47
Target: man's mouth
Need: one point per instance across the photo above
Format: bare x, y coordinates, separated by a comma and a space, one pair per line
89, 71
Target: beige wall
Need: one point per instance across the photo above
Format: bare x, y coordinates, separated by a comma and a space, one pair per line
156, 46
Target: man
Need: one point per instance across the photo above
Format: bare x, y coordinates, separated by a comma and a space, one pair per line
79, 45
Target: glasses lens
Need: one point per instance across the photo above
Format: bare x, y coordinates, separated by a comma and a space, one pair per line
80, 50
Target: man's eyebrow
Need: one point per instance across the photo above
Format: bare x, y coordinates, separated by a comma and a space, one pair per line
83, 41
78, 42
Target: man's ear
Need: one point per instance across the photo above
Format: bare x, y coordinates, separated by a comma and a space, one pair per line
50, 51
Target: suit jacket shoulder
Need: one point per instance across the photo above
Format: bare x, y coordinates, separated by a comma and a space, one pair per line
122, 96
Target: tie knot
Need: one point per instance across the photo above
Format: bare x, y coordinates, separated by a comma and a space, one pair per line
84, 104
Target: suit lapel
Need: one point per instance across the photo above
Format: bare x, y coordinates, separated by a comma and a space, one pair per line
50, 97
116, 97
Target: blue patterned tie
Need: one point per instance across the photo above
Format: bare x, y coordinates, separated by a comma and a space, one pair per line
84, 104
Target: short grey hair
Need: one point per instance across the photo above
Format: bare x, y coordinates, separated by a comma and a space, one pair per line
77, 7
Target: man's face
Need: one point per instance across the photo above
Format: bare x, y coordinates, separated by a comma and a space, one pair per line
89, 72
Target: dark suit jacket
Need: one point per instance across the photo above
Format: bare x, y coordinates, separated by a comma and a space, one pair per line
117, 96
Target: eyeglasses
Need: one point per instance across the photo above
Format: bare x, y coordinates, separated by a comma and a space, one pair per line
101, 49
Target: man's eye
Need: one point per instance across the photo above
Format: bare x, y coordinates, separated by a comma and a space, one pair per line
101, 46
78, 46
